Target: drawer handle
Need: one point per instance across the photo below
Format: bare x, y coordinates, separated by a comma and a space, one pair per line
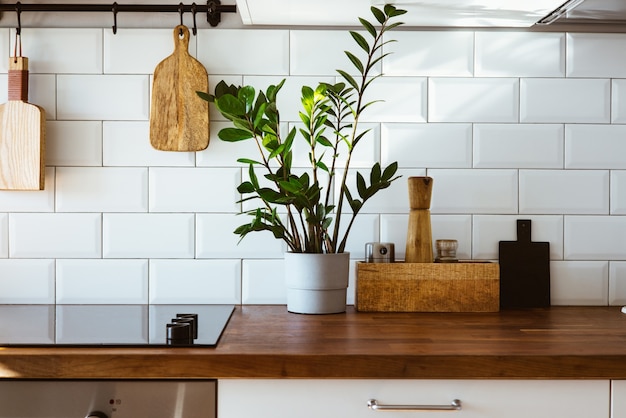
374, 405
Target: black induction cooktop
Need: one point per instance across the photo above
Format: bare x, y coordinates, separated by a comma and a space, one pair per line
113, 325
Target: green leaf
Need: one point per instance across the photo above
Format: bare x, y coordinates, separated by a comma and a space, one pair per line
368, 26
388, 9
245, 187
375, 60
289, 140
205, 96
392, 11
269, 195
349, 79
361, 40
248, 161
222, 89
355, 204
229, 104
253, 178
360, 185
272, 91
390, 171
378, 14
234, 134
323, 166
358, 137
279, 150
393, 25
355, 61
305, 120
322, 140
258, 118
290, 186
375, 174
246, 95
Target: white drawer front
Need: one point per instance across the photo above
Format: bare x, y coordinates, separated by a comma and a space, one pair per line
348, 398
618, 399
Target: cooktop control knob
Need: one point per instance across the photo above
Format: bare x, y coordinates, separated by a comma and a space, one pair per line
97, 414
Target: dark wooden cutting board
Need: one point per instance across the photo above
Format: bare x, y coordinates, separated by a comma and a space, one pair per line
524, 270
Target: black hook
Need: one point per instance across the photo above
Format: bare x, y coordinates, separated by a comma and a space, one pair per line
18, 9
180, 12
193, 13
114, 18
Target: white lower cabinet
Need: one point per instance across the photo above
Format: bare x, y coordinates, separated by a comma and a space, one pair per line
287, 398
618, 399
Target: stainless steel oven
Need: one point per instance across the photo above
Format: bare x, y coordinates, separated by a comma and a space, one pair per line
108, 398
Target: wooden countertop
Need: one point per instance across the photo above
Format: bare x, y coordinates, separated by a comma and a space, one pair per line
269, 342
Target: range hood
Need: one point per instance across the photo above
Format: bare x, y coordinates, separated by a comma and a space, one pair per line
421, 13
589, 12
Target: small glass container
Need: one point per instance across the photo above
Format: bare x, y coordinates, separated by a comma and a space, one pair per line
446, 251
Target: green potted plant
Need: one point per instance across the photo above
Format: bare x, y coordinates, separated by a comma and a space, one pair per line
298, 205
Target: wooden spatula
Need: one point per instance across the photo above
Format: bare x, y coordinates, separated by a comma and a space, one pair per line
179, 119
22, 134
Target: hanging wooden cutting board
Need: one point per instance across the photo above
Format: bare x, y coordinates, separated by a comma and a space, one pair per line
179, 119
22, 134
524, 270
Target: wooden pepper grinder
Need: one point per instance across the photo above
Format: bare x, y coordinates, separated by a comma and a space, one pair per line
419, 241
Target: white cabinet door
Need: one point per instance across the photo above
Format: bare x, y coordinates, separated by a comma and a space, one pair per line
618, 399
286, 398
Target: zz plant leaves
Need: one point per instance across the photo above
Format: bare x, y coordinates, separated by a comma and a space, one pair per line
299, 205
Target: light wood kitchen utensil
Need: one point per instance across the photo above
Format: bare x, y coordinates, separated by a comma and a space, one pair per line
419, 241
22, 133
179, 119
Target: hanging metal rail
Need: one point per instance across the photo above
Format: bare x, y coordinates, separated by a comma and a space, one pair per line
213, 9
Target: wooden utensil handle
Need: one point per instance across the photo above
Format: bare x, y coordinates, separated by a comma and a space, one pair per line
181, 38
18, 79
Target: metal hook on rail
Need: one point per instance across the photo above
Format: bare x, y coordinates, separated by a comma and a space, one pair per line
193, 14
18, 9
114, 18
180, 12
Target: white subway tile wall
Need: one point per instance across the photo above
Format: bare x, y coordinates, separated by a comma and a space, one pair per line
617, 282
565, 100
74, 143
510, 124
102, 281
4, 235
195, 281
27, 281
520, 54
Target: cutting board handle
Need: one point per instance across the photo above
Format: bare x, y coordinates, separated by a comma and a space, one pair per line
18, 79
181, 39
523, 230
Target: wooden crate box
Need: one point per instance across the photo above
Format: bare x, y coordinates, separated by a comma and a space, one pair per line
428, 287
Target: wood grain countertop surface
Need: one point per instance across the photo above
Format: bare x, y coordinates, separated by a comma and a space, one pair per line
269, 342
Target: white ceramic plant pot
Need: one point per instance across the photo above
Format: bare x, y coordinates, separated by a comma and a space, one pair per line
316, 283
